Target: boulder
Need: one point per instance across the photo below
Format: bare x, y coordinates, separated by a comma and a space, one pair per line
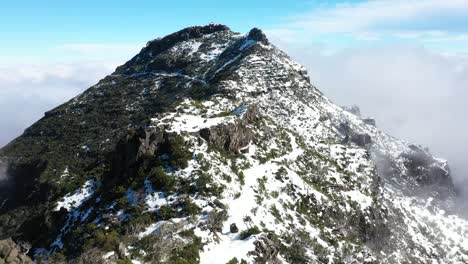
11, 253
233, 228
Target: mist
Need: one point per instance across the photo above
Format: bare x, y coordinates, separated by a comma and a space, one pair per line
27, 91
412, 93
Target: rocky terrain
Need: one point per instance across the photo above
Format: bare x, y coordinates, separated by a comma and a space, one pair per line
211, 146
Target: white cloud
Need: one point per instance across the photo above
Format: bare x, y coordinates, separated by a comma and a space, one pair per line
31, 86
92, 50
28, 90
414, 94
416, 88
387, 15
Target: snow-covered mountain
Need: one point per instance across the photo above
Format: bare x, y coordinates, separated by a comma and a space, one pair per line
211, 146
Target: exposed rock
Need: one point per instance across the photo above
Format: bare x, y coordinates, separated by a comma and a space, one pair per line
121, 250
361, 139
10, 252
233, 228
266, 251
427, 171
233, 136
257, 35
139, 143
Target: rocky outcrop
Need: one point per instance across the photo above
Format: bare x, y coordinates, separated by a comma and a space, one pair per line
159, 46
361, 139
258, 35
350, 136
232, 137
427, 171
266, 250
129, 150
11, 253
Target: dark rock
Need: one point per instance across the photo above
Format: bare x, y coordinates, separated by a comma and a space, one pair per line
361, 139
139, 143
183, 35
233, 228
258, 35
232, 137
427, 171
344, 129
160, 45
266, 250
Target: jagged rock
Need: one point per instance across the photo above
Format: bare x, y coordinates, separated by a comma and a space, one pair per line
232, 137
266, 251
427, 171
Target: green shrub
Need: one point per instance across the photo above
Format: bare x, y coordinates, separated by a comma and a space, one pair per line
105, 241
188, 208
166, 212
161, 180
179, 153
189, 254
249, 232
233, 261
56, 257
241, 177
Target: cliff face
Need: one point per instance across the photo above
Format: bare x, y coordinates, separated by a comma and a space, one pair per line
211, 146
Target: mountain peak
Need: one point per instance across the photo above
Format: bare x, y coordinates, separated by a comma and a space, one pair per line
189, 33
210, 146
185, 34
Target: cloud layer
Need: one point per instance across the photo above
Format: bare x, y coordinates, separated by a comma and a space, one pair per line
403, 62
27, 91
440, 25
414, 94
390, 15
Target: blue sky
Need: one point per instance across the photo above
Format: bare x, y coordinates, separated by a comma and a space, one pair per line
64, 30
34, 27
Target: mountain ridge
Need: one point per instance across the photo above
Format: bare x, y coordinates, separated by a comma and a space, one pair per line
206, 130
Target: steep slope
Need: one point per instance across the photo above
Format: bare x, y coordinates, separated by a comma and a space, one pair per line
211, 146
